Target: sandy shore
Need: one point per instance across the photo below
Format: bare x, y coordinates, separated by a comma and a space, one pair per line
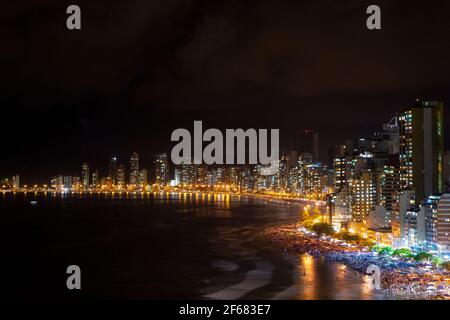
401, 279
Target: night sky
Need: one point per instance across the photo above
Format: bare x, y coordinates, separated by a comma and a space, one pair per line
139, 69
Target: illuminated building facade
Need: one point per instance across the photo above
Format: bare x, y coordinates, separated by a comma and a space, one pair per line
16, 182
68, 183
187, 174
121, 177
363, 190
443, 223
201, 175
429, 208
341, 166
95, 178
85, 176
314, 179
112, 169
379, 219
134, 169
143, 177
161, 170
412, 226
340, 209
295, 180
421, 149
389, 185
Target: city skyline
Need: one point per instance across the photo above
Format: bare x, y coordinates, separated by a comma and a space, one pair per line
253, 150
390, 187
305, 140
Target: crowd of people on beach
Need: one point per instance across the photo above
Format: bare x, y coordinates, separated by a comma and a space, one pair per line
400, 278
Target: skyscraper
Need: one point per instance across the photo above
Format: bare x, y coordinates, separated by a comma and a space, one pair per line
161, 170
68, 183
421, 148
200, 174
134, 169
389, 182
443, 223
187, 173
342, 172
143, 177
85, 176
16, 182
430, 213
112, 170
177, 177
363, 191
95, 178
121, 175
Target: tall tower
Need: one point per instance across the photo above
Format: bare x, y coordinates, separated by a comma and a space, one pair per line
342, 172
121, 175
85, 176
443, 224
143, 177
421, 129
364, 195
134, 169
112, 170
161, 170
16, 182
95, 178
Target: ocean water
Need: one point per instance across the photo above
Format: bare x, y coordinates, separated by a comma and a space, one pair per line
160, 246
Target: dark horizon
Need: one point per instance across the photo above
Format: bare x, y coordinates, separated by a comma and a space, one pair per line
137, 71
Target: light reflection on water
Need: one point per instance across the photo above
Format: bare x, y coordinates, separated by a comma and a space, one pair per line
169, 243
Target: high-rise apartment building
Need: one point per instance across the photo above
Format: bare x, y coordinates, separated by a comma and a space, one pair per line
363, 190
421, 130
134, 169
389, 184
121, 177
161, 170
443, 223
95, 178
342, 172
68, 183
143, 177
16, 182
112, 170
85, 176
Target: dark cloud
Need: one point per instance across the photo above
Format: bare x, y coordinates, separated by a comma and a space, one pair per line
197, 48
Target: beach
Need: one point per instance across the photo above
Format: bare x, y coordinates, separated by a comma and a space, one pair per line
399, 278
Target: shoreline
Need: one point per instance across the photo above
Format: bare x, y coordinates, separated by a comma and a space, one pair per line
400, 279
